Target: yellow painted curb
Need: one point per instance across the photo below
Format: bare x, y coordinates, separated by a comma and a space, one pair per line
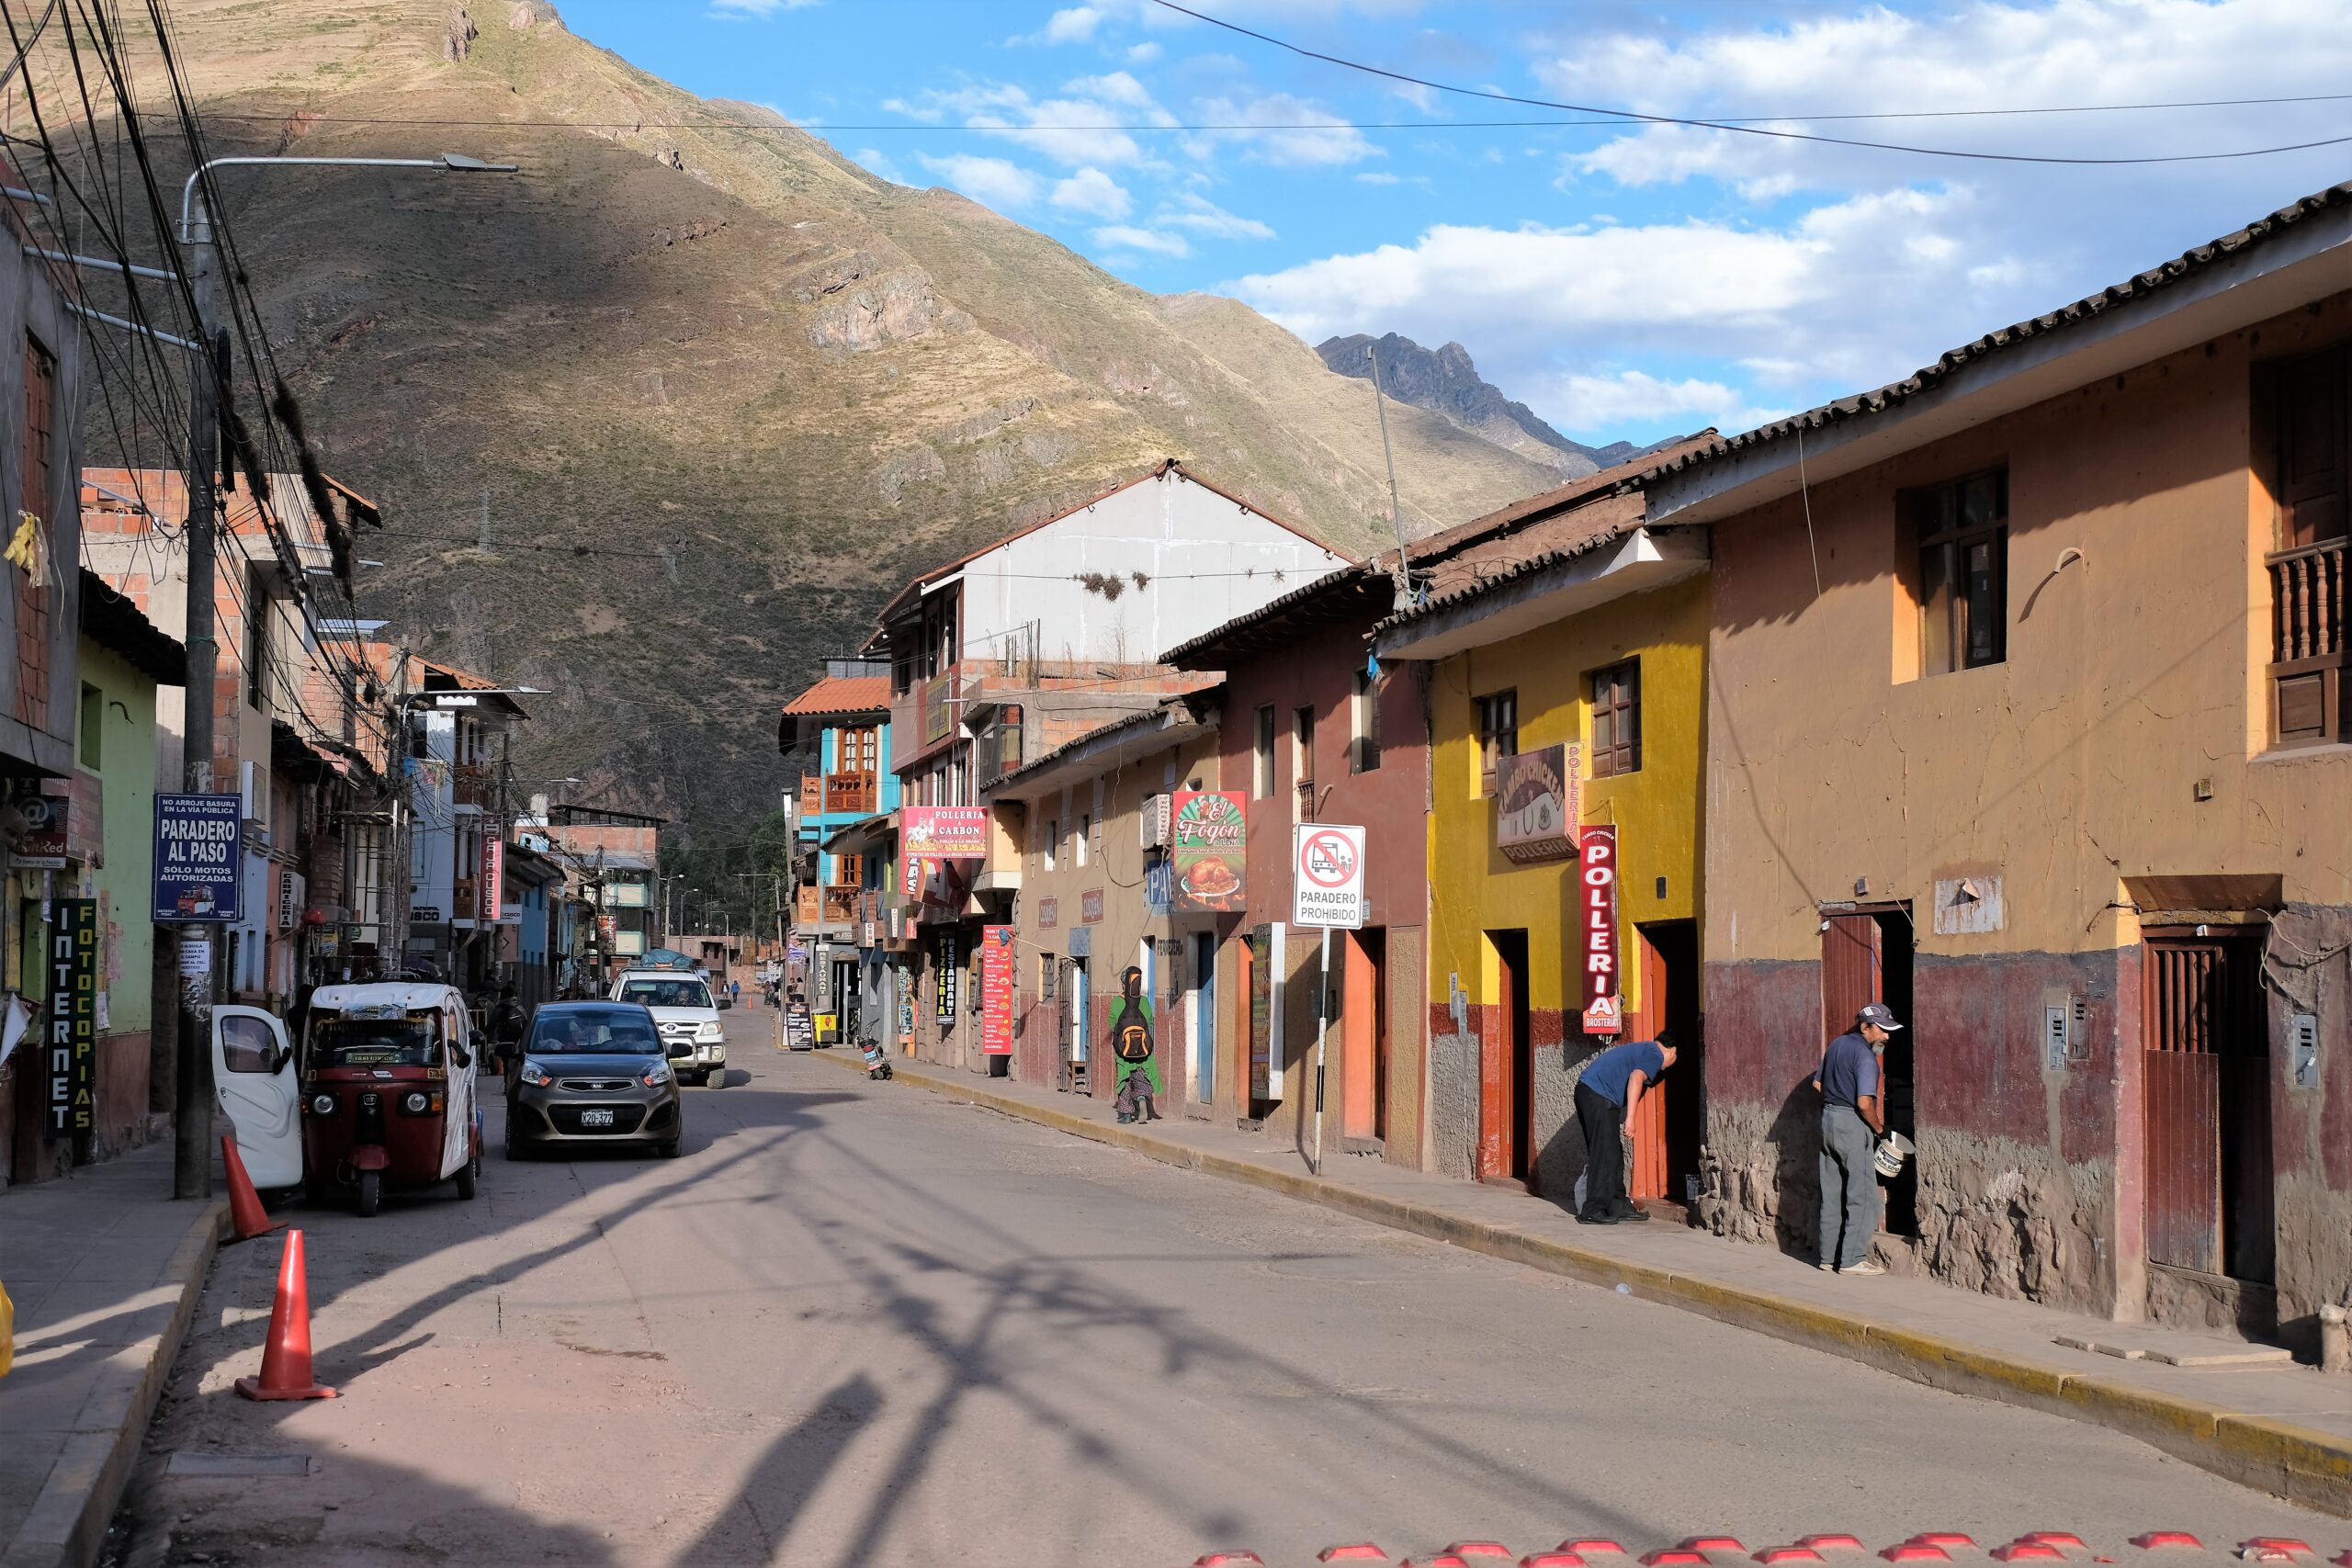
2308, 1467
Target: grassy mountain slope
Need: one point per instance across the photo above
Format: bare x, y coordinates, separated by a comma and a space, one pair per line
693, 333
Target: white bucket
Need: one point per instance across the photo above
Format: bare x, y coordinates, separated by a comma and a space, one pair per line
1892, 1150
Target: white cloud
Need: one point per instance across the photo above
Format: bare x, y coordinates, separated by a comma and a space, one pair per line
995, 181
1205, 218
1094, 193
1126, 237
1314, 138
1143, 53
1074, 24
1601, 403
1857, 292
1073, 130
879, 162
743, 10
1379, 178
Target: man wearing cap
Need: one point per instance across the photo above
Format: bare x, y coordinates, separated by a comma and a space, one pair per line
1607, 1092
1853, 1118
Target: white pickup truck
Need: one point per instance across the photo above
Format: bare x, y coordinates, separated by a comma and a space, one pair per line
682, 1007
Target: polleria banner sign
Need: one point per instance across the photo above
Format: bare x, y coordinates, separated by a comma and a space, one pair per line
931, 834
1604, 1009
1208, 842
1538, 798
996, 990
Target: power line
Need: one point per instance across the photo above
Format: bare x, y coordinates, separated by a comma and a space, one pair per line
1738, 127
1593, 117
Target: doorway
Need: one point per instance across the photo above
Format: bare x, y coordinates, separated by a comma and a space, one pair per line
2206, 1066
1200, 1066
1668, 1126
1865, 958
1506, 1068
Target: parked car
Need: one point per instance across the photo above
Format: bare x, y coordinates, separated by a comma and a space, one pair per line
683, 1005
593, 1073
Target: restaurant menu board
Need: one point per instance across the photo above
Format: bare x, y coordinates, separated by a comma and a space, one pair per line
996, 990
1538, 798
1267, 958
1208, 837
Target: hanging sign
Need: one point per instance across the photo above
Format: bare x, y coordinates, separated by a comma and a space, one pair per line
950, 978
1158, 883
1604, 1011
996, 990
47, 806
1208, 842
73, 1030
197, 839
1326, 875
493, 877
1537, 803
929, 834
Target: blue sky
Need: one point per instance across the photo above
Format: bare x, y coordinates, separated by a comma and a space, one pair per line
1624, 280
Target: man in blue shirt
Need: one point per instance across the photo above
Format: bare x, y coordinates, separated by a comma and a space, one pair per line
1607, 1092
1853, 1118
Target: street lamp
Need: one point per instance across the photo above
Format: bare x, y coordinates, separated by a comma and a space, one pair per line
192, 1111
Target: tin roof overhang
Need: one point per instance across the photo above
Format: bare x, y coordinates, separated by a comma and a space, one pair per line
1130, 740
2291, 258
1545, 591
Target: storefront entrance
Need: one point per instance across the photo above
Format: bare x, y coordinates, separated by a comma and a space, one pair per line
2206, 1057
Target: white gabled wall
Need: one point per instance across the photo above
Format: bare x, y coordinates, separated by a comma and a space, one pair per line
1204, 561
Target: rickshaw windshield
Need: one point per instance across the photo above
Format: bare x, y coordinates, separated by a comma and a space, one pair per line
374, 1043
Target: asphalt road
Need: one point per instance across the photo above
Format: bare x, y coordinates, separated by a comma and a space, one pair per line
859, 1324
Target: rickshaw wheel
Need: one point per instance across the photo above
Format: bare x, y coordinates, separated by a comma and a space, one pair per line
470, 1176
371, 1192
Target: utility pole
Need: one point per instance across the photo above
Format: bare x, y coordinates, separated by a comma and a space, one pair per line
1396, 514
192, 1101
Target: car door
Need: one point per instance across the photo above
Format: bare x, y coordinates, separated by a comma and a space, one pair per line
260, 1092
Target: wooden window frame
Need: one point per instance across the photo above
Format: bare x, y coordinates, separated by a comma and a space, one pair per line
1615, 693
2309, 482
1301, 759
1942, 534
1498, 733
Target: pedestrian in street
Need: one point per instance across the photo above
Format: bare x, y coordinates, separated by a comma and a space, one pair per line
1608, 1090
1853, 1118
1131, 1044
506, 1028
735, 991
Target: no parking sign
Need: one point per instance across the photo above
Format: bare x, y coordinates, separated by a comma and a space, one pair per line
1326, 875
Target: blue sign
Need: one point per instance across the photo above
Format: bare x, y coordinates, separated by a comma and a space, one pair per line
1158, 883
197, 843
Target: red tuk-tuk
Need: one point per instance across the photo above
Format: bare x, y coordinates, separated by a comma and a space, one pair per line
387, 1092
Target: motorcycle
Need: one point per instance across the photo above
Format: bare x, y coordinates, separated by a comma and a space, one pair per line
877, 1065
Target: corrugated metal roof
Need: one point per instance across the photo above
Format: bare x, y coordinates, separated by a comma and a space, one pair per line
2134, 292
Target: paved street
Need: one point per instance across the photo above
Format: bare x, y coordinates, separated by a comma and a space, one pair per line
858, 1324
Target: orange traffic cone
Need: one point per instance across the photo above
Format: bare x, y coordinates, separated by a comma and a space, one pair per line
246, 1212
286, 1359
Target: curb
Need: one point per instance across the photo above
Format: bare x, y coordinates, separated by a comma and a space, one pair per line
2303, 1466
66, 1525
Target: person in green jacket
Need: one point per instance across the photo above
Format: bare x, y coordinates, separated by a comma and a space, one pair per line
1131, 1045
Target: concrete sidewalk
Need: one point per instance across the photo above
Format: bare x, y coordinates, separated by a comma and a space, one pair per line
2282, 1428
105, 1270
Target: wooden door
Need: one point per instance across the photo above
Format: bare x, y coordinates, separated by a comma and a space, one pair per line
1669, 1123
1359, 1033
1852, 971
2206, 1105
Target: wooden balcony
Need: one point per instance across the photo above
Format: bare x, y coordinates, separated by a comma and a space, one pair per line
804, 907
841, 904
472, 784
853, 793
465, 903
2307, 649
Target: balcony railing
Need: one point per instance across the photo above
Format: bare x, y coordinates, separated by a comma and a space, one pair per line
470, 783
841, 904
839, 793
804, 907
464, 899
2307, 644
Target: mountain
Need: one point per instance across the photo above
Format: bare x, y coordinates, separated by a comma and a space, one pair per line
1444, 381
718, 388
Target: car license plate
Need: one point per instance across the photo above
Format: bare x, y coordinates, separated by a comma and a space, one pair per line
595, 1119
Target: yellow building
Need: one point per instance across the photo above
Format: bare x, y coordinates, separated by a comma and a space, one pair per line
1580, 671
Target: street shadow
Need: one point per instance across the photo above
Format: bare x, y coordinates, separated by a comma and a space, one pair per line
790, 1473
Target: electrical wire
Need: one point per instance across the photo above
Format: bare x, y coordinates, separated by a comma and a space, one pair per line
1738, 127
1593, 117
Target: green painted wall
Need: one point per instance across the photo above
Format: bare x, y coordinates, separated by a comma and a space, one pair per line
126, 737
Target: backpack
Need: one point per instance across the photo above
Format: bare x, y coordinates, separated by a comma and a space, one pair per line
1131, 1041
